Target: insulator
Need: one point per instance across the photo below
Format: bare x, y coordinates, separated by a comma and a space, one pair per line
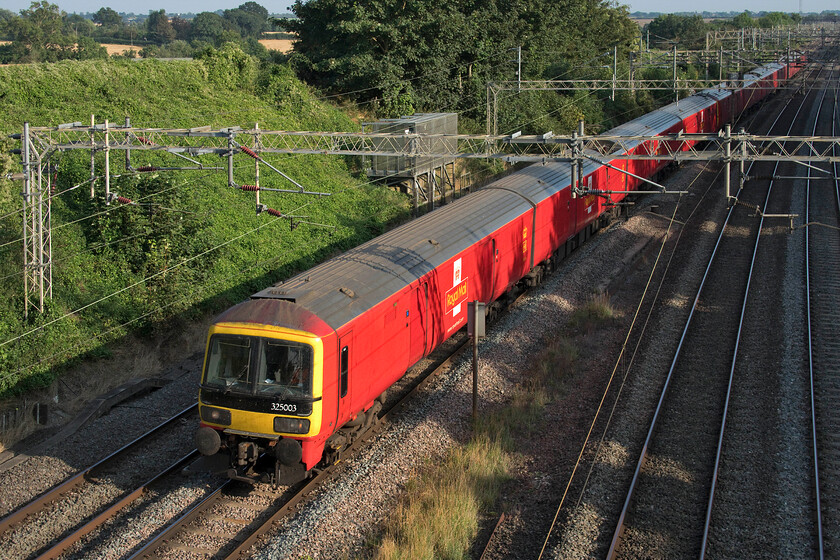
125, 200
274, 212
250, 188
249, 151
147, 168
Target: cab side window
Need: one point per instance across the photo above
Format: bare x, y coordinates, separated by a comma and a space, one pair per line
345, 366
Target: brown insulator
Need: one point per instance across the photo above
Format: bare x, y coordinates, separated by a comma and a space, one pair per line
249, 151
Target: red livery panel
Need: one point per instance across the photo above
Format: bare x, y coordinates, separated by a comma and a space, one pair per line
295, 373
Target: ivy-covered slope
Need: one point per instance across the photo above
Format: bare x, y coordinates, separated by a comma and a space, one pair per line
193, 244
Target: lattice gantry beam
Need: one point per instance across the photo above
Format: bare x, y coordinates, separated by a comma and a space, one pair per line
37, 238
515, 147
39, 144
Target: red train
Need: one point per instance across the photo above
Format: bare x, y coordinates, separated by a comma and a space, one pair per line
291, 375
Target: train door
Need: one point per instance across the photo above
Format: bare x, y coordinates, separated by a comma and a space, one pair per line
345, 346
422, 325
494, 269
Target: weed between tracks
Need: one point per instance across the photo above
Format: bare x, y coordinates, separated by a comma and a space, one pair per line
591, 315
438, 516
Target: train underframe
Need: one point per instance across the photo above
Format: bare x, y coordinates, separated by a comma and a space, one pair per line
253, 458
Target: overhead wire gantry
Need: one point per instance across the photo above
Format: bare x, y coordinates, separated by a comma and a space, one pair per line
39, 146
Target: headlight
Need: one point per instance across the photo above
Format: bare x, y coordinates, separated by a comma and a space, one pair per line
215, 415
291, 425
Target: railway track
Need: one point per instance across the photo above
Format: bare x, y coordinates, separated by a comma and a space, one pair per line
239, 540
226, 522
822, 254
232, 518
229, 521
665, 509
88, 499
765, 408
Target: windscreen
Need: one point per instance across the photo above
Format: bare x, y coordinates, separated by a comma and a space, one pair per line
285, 369
259, 366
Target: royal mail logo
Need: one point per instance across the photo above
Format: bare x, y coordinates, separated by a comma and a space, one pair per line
457, 295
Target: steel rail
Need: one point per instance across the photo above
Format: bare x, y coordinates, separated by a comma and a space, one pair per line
709, 508
152, 547
619, 531
812, 388
241, 550
257, 531
43, 500
640, 335
148, 550
57, 549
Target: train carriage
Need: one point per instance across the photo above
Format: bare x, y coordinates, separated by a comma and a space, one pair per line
291, 375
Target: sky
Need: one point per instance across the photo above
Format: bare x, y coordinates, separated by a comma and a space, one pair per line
788, 6
145, 6
282, 6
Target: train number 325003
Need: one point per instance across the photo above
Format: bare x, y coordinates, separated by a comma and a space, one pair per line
282, 407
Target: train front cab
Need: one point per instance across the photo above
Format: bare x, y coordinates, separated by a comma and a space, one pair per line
261, 402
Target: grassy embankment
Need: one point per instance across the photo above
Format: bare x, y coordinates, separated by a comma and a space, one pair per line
198, 245
438, 516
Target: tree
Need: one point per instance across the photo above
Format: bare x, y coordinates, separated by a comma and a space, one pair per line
775, 19
88, 48
428, 54
77, 26
687, 31
38, 26
207, 26
37, 33
255, 9
743, 20
106, 17
159, 27
5, 17
250, 19
182, 27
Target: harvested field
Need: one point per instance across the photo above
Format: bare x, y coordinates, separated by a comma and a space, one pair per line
113, 48
282, 45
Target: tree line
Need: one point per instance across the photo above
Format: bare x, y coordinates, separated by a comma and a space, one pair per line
689, 31
45, 33
397, 57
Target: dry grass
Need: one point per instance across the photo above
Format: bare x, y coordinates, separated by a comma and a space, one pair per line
17, 433
438, 517
554, 363
593, 314
132, 359
519, 417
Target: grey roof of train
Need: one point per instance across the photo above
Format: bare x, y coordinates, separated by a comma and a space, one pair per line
344, 287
